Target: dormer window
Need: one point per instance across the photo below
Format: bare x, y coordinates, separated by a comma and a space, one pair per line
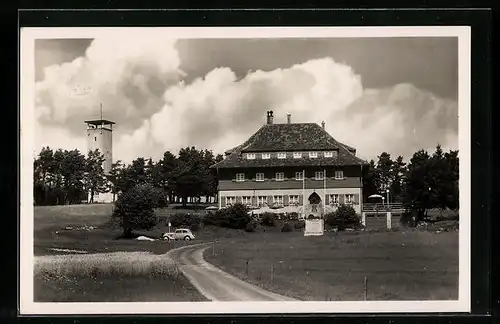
313, 155
280, 176
281, 155
328, 154
250, 156
266, 156
297, 155
240, 177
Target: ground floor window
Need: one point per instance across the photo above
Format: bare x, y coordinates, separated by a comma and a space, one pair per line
334, 199
349, 199
278, 200
230, 200
261, 200
293, 199
246, 200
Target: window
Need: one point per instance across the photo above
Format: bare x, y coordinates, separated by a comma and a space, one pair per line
259, 177
95, 139
297, 155
334, 199
293, 199
240, 177
299, 175
230, 200
318, 175
339, 175
328, 154
280, 176
313, 155
266, 156
278, 200
250, 156
246, 200
261, 200
281, 155
349, 199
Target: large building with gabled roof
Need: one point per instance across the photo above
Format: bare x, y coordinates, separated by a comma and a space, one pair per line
296, 166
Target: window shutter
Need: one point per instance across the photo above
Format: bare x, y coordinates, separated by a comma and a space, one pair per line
269, 200
327, 199
285, 200
254, 201
301, 200
356, 199
238, 199
341, 199
223, 201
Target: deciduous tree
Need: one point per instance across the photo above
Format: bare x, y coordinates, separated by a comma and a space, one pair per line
95, 180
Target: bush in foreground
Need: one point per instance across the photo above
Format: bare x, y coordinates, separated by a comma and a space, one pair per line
134, 209
300, 224
268, 219
286, 228
344, 216
235, 217
251, 226
191, 221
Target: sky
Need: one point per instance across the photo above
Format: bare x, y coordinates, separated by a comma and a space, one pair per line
396, 95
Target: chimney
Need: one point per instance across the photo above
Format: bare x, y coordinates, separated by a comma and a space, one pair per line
289, 118
270, 117
323, 124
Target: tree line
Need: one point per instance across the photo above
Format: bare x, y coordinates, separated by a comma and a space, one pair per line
427, 181
69, 177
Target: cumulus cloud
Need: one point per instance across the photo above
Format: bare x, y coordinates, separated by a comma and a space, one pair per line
127, 76
141, 87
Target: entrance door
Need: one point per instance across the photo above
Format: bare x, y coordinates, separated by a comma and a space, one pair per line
314, 205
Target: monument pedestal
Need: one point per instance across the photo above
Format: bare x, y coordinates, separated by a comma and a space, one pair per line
314, 227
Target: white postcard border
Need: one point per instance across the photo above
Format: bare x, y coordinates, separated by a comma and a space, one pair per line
27, 114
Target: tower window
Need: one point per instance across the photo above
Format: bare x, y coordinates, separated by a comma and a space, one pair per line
95, 139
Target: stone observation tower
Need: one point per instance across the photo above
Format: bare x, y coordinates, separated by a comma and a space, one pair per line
100, 136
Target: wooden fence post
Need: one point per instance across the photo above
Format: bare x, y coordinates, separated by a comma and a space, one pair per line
365, 290
363, 218
389, 220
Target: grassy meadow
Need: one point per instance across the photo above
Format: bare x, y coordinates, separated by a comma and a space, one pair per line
100, 267
397, 265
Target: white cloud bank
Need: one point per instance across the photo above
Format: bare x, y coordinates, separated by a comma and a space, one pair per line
139, 83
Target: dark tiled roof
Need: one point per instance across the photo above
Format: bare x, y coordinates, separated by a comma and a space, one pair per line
289, 137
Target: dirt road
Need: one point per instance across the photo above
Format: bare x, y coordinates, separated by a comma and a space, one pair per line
215, 284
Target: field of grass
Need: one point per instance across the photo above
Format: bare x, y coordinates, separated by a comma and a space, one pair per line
101, 267
110, 277
87, 228
397, 265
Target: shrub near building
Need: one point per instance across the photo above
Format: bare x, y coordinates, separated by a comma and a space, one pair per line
345, 216
188, 220
235, 217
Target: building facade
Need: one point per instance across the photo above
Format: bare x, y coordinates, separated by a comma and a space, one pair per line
294, 165
100, 136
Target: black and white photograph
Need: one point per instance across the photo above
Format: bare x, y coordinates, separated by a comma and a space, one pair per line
245, 170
